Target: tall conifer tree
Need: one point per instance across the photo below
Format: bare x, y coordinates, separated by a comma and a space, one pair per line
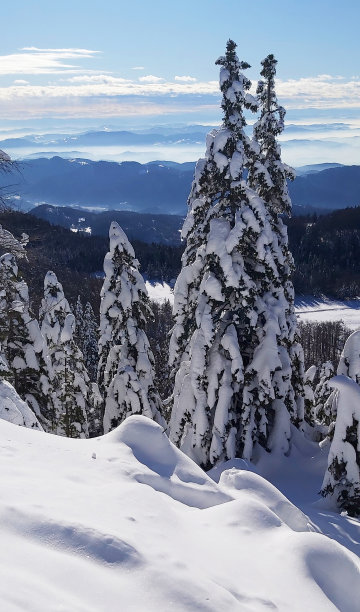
69, 390
233, 384
23, 346
342, 477
126, 364
268, 175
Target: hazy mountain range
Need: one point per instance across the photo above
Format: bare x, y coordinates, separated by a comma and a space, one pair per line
306, 143
158, 187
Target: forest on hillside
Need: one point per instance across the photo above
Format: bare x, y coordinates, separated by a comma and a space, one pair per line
326, 252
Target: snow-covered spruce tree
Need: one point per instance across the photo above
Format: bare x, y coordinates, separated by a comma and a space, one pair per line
309, 390
268, 175
23, 346
349, 363
78, 311
10, 244
158, 330
342, 478
89, 341
14, 409
69, 385
126, 364
231, 342
86, 336
323, 400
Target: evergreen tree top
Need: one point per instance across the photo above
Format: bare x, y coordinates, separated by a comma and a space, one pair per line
268, 175
54, 307
118, 239
269, 67
267, 96
234, 86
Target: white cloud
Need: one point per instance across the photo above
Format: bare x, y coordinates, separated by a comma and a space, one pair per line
69, 52
100, 94
32, 60
150, 78
108, 87
185, 79
322, 91
138, 68
104, 79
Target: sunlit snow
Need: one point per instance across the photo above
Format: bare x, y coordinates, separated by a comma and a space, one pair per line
127, 522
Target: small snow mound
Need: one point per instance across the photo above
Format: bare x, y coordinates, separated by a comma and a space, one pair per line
164, 467
148, 442
75, 538
336, 572
235, 480
239, 464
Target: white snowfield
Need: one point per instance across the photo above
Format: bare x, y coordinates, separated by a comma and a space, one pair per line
159, 292
127, 522
307, 308
310, 308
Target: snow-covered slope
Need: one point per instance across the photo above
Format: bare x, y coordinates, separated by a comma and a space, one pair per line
127, 522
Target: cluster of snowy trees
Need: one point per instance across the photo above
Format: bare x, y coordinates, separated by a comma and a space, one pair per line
237, 385
333, 412
39, 357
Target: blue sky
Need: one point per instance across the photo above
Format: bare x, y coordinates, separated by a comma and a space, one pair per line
140, 63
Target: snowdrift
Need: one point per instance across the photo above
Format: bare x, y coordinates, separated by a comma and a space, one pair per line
128, 522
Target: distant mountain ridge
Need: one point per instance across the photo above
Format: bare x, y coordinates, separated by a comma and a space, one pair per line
160, 187
162, 229
107, 138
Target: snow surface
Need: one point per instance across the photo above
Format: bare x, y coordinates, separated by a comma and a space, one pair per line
307, 308
159, 292
128, 522
310, 308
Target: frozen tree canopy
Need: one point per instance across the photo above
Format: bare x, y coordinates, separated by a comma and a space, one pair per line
349, 363
14, 409
233, 348
9, 243
23, 346
267, 171
323, 399
68, 388
342, 479
309, 389
126, 364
